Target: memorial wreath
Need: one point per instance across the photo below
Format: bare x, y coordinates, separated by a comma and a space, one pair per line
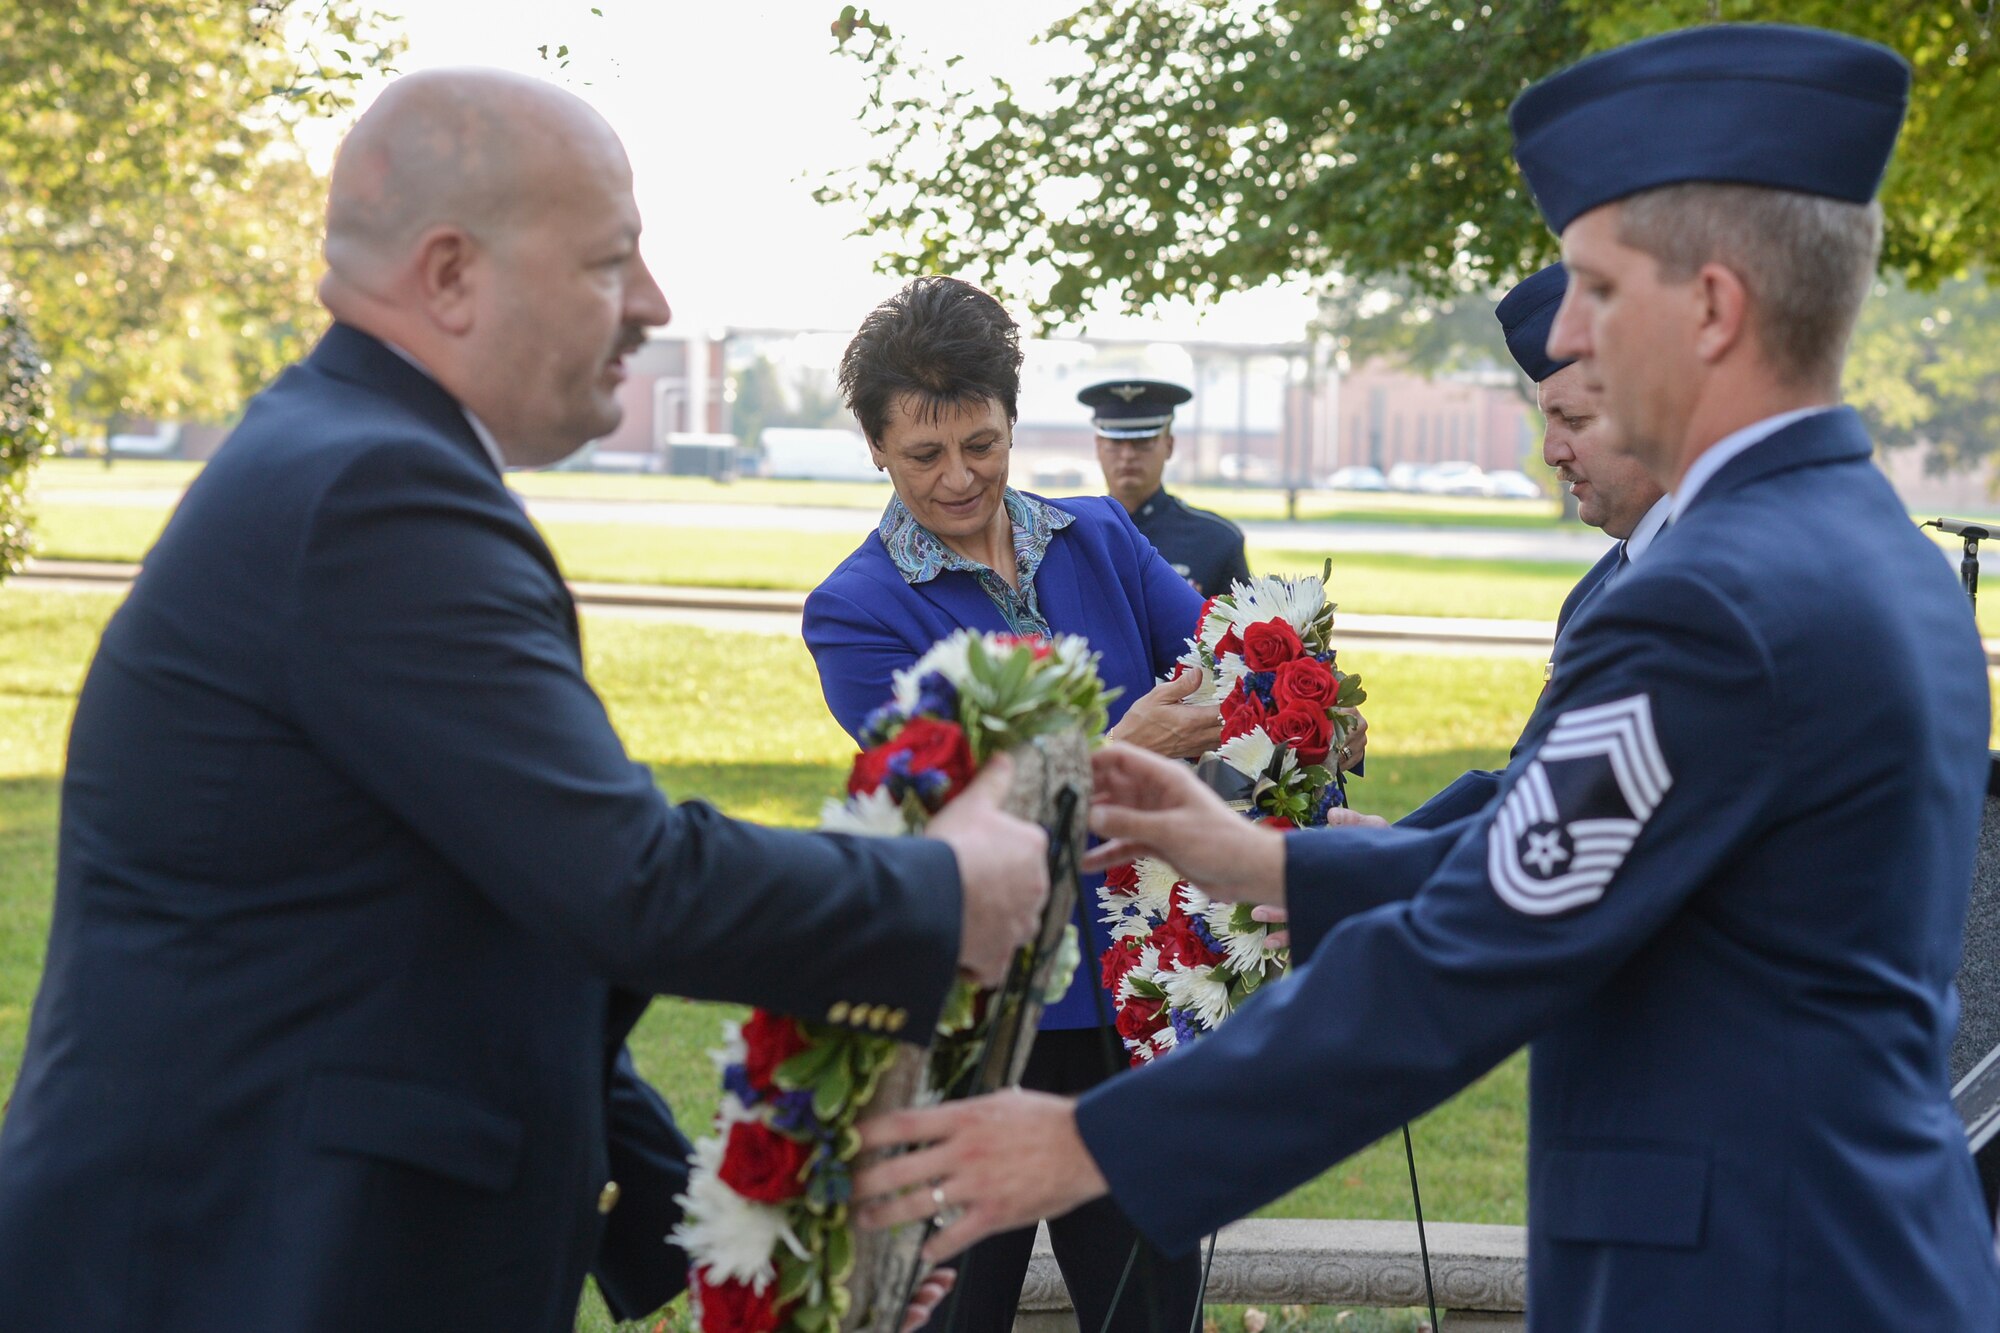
766, 1223
1178, 963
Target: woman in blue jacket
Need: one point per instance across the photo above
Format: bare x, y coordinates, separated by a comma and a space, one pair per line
932, 376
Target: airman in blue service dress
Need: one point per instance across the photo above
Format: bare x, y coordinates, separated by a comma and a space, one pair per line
1134, 420
1526, 315
1723, 888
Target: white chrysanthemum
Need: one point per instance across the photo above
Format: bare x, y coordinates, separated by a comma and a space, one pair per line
732, 1051
1193, 901
1215, 624
1297, 602
874, 814
1157, 879
1162, 1041
1123, 924
1211, 690
949, 657
1147, 968
1198, 991
1244, 947
1250, 753
1230, 669
730, 1236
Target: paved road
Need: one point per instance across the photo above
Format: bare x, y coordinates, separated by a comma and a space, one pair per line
1579, 546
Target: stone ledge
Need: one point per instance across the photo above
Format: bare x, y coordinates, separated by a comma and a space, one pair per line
1476, 1268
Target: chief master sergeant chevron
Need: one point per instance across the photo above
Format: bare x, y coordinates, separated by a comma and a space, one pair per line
1734, 961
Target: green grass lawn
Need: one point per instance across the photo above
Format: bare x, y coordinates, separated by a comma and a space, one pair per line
1432, 717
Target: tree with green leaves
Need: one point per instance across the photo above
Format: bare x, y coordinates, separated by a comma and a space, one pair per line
160, 222
1214, 145
24, 429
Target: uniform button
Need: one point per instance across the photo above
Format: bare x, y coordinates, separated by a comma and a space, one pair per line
868, 1016
837, 1014
896, 1020
607, 1198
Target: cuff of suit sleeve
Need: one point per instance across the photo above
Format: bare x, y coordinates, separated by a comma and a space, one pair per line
1130, 1163
941, 912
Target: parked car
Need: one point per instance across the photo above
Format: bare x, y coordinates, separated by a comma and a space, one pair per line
1511, 485
1453, 478
1405, 477
1360, 478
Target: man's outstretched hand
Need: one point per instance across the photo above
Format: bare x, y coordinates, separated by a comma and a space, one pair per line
1143, 805
1002, 870
985, 1165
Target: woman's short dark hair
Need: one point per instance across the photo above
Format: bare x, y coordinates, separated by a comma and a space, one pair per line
939, 342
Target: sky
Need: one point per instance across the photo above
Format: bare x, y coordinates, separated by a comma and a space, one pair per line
732, 111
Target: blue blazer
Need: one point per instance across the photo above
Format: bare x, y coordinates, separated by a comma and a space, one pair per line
1468, 792
1738, 1113
1100, 579
357, 898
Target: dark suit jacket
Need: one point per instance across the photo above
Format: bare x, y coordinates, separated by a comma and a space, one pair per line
358, 895
1465, 794
1738, 1116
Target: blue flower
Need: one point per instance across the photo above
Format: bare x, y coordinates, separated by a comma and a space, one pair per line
1260, 683
937, 696
1199, 925
736, 1080
876, 727
792, 1112
1184, 1027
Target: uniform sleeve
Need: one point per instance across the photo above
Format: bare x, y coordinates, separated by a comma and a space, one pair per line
1466, 795
636, 1270
1533, 908
856, 654
433, 663
1238, 566
1173, 609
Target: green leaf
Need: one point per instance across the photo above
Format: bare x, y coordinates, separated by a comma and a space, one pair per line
805, 1069
832, 1091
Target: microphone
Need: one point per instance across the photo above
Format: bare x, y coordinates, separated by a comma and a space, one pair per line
1960, 527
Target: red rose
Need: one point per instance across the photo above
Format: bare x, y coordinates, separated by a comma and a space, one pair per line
1123, 879
1178, 942
927, 744
1307, 729
1120, 958
761, 1164
1277, 822
1141, 1019
1034, 643
734, 1307
1305, 680
771, 1040
1228, 644
1269, 644
1242, 713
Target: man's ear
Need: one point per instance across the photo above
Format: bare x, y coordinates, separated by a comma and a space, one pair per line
447, 277
1722, 311
1166, 445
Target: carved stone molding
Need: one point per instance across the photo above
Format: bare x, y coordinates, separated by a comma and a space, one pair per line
1314, 1262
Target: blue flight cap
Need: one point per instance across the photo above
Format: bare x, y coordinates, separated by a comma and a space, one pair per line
1132, 409
1526, 315
1785, 107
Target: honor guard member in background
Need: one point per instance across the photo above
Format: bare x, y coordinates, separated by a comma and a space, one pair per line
1722, 890
1612, 489
1135, 438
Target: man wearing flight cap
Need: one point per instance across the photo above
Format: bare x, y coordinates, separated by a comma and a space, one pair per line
1735, 968
1135, 438
1612, 490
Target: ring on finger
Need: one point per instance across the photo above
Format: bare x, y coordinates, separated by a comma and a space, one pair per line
938, 1204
